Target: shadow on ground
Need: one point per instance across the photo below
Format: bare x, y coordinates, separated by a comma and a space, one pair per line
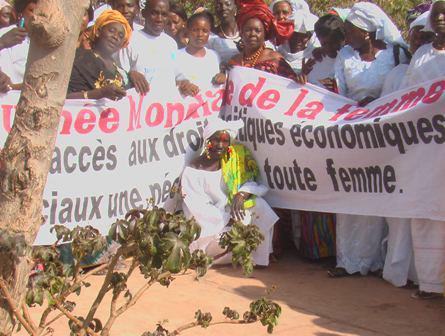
347, 306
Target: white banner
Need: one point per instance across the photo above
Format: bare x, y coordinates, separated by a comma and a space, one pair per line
316, 150
319, 151
111, 157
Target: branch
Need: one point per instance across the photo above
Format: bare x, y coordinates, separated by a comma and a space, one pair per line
195, 324
14, 308
135, 298
75, 319
105, 286
28, 317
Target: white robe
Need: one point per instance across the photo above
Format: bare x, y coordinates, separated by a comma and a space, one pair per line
13, 60
360, 238
357, 79
399, 261
156, 58
296, 59
225, 47
205, 199
199, 70
428, 236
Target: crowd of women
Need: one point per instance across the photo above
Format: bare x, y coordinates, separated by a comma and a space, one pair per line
356, 52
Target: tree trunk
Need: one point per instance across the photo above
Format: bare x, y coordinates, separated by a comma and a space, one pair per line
26, 157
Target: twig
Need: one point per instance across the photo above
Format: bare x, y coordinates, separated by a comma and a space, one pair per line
196, 324
135, 298
53, 320
75, 319
105, 287
14, 309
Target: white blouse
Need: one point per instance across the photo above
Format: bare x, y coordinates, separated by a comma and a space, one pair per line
358, 79
427, 64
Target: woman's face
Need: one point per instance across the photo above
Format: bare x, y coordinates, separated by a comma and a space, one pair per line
198, 33
418, 38
225, 9
330, 43
6, 16
174, 24
437, 17
355, 37
253, 34
218, 144
282, 10
298, 41
111, 37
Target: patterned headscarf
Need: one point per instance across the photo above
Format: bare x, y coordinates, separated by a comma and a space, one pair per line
111, 16
248, 9
415, 12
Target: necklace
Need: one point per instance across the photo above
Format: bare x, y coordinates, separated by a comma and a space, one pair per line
253, 59
233, 37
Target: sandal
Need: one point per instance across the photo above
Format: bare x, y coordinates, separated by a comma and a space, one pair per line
421, 295
339, 272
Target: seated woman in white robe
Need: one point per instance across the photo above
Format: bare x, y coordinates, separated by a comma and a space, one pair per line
220, 186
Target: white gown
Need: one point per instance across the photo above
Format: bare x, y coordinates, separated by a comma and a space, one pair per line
428, 236
399, 261
360, 238
204, 198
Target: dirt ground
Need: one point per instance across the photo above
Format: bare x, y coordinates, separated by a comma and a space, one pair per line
312, 304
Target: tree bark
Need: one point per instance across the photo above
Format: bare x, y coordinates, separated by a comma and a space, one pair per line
26, 157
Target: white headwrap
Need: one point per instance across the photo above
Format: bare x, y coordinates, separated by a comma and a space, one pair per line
216, 124
421, 20
297, 5
428, 27
371, 18
4, 3
342, 12
305, 22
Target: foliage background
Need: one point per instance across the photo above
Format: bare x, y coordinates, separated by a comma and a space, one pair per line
395, 8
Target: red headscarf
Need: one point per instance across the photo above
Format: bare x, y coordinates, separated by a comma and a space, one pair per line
248, 9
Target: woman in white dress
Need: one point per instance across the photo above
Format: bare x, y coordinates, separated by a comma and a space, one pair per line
226, 38
330, 31
298, 49
220, 187
428, 236
198, 64
399, 267
360, 70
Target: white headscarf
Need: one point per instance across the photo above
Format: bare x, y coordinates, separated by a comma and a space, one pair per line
371, 18
428, 27
421, 20
4, 3
305, 22
216, 124
342, 12
297, 5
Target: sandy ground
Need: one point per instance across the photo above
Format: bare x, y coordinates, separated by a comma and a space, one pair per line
312, 304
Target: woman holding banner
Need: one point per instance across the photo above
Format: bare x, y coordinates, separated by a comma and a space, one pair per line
220, 186
95, 75
360, 70
428, 235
